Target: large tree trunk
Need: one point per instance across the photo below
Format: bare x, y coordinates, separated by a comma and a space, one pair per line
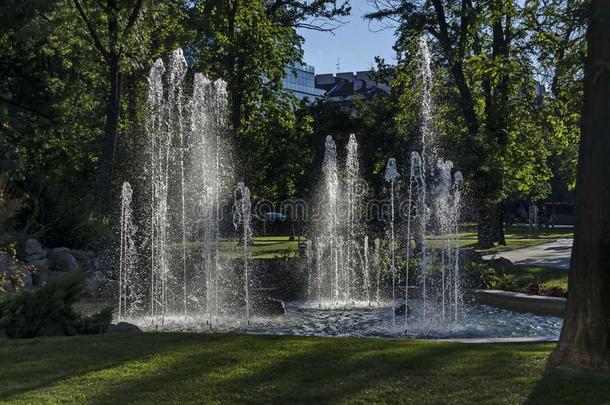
111, 131
585, 337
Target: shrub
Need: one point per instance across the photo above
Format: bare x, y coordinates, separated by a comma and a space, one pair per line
25, 314
541, 289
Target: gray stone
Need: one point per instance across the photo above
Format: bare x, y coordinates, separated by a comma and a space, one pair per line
123, 327
501, 264
92, 286
52, 328
82, 256
32, 247
62, 260
5, 263
40, 265
28, 279
93, 264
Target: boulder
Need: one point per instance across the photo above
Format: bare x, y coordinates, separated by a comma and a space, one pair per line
82, 256
41, 265
52, 328
92, 285
62, 260
269, 307
501, 264
5, 263
32, 247
469, 256
123, 327
400, 310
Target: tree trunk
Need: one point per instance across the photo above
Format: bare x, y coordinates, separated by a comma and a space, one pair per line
111, 131
585, 337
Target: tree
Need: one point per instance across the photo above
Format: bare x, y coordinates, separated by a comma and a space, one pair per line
476, 41
249, 44
111, 43
585, 337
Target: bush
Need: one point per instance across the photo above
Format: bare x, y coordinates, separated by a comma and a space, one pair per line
540, 289
27, 313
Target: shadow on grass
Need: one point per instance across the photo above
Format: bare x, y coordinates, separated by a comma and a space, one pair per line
569, 386
311, 370
180, 368
31, 364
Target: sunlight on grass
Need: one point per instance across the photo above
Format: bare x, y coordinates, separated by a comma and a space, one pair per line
178, 368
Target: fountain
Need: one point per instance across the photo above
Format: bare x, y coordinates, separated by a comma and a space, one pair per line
342, 274
180, 276
188, 174
242, 216
128, 256
391, 174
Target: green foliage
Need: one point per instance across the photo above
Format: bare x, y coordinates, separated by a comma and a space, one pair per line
24, 314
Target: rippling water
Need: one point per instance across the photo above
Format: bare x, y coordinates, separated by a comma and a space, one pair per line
477, 321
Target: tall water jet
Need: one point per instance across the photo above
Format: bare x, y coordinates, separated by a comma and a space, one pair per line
352, 202
377, 266
390, 176
458, 179
330, 218
241, 219
207, 174
366, 273
159, 161
128, 256
310, 273
186, 173
343, 273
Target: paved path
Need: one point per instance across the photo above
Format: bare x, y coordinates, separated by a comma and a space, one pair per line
553, 254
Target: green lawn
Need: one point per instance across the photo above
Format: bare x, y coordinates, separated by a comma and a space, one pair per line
263, 247
214, 369
545, 276
520, 232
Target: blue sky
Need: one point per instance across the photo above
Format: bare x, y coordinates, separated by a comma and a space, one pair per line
355, 44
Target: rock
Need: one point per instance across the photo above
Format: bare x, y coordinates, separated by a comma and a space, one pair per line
3, 334
500, 263
92, 285
469, 256
62, 260
401, 310
32, 247
52, 328
39, 278
82, 256
123, 327
28, 279
270, 306
5, 263
41, 265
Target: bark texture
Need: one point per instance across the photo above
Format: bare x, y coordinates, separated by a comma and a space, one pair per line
585, 338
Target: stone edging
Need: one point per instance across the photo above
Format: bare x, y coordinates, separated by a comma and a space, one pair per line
519, 302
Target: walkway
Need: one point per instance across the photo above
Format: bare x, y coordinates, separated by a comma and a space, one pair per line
553, 254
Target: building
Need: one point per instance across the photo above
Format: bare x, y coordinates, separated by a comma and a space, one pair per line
300, 80
303, 82
345, 86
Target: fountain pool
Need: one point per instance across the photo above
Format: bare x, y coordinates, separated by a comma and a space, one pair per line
303, 319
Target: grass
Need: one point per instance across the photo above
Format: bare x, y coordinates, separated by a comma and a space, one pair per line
512, 244
545, 276
469, 231
191, 368
262, 248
